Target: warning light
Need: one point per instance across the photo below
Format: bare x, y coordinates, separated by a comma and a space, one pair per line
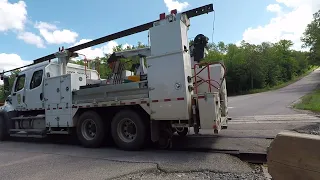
174, 11
162, 16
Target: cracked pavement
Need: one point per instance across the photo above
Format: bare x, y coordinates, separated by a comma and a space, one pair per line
36, 161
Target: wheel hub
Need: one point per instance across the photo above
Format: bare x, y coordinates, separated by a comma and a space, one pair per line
89, 129
127, 130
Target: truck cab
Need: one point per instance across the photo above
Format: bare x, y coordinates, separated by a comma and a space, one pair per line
28, 87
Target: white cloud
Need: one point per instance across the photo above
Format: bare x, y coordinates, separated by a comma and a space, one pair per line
108, 48
13, 16
31, 38
11, 61
53, 35
126, 45
174, 4
92, 53
287, 24
274, 8
44, 25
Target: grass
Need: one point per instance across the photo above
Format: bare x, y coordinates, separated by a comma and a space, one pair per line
310, 102
281, 85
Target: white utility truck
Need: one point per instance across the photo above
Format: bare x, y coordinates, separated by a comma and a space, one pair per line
171, 93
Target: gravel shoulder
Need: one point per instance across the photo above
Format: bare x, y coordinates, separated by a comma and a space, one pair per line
313, 129
256, 174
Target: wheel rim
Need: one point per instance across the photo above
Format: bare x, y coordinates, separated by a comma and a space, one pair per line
180, 129
89, 129
127, 130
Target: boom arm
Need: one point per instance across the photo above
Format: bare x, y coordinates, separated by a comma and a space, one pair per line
190, 13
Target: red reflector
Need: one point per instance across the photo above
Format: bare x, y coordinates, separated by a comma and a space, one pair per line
200, 97
162, 16
215, 127
174, 11
180, 99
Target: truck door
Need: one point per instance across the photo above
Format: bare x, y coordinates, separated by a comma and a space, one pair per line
34, 90
18, 92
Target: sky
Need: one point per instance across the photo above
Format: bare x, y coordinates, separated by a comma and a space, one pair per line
31, 29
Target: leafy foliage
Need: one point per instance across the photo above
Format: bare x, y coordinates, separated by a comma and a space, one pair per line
249, 66
3, 94
311, 38
258, 66
101, 63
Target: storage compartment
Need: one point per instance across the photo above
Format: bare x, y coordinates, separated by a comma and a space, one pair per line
58, 98
209, 111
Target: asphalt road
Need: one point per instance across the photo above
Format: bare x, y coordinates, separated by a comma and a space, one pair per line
260, 115
29, 160
36, 161
273, 102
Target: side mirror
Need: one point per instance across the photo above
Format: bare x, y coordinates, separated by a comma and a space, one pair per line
9, 99
6, 83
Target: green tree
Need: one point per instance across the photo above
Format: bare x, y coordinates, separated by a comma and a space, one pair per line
248, 66
3, 93
311, 38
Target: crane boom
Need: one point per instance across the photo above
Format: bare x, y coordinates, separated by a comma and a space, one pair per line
190, 13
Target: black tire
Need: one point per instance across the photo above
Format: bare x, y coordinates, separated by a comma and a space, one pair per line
83, 132
184, 132
3, 129
137, 123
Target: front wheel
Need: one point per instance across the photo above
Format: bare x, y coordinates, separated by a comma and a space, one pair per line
128, 130
91, 130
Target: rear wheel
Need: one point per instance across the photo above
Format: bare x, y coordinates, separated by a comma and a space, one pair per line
91, 130
128, 130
